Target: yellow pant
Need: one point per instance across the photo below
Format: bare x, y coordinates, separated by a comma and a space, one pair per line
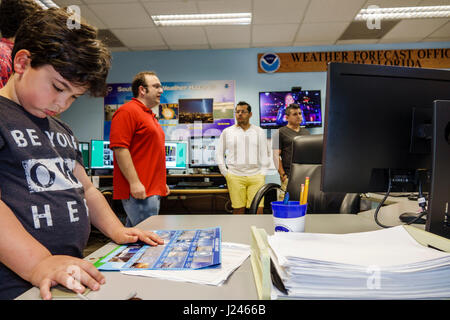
242, 189
281, 194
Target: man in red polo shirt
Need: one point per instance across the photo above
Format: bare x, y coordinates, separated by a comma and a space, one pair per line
137, 140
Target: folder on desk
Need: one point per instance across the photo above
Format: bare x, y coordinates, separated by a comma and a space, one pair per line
395, 263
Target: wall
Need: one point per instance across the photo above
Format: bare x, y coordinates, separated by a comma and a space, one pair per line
86, 114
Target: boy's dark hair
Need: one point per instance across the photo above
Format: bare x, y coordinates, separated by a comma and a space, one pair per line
75, 53
12, 14
291, 107
243, 103
139, 80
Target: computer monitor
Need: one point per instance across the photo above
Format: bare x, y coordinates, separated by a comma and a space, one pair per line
378, 122
202, 151
176, 154
272, 107
102, 157
84, 149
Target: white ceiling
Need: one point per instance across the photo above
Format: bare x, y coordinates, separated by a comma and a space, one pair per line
275, 23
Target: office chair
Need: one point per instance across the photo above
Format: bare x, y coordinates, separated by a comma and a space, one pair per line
307, 162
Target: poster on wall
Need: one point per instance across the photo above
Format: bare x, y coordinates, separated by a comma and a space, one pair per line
118, 94
195, 108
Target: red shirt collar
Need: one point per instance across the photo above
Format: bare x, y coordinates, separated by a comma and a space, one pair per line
144, 107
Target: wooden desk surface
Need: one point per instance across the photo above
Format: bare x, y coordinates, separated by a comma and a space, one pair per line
235, 228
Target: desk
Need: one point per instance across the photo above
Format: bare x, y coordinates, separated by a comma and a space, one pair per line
235, 228
392, 211
194, 200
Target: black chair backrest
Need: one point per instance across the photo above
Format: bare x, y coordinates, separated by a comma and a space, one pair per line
307, 162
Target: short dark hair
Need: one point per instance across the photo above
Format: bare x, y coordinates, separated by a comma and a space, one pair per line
12, 14
75, 53
291, 107
139, 80
243, 103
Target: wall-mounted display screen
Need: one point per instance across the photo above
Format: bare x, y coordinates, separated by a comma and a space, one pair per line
195, 110
272, 106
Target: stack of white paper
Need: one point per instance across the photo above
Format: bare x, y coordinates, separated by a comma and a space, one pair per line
383, 264
233, 255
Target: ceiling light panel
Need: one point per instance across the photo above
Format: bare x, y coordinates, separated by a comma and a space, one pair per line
374, 13
203, 19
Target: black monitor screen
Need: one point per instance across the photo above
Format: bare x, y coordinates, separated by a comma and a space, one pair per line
272, 107
101, 155
202, 151
369, 131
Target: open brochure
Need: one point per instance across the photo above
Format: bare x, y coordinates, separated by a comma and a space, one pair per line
182, 250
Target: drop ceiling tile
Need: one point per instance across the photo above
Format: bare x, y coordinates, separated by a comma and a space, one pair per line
225, 6
274, 33
435, 3
280, 11
66, 3
391, 3
229, 46
91, 17
122, 15
414, 29
320, 31
108, 1
441, 32
228, 34
141, 37
170, 7
443, 39
183, 36
333, 10
190, 47
313, 43
356, 41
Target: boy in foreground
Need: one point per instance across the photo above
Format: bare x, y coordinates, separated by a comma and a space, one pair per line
47, 201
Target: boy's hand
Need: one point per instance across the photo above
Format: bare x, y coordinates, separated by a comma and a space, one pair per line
131, 235
68, 271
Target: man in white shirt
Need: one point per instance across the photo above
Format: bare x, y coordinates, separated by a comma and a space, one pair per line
243, 158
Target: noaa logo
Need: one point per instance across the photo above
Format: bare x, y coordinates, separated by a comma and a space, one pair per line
269, 62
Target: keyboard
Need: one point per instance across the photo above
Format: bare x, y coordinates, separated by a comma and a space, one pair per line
195, 184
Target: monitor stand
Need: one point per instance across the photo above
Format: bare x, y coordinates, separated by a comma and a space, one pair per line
438, 208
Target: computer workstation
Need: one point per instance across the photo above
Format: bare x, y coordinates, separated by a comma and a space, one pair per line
196, 185
386, 130
191, 164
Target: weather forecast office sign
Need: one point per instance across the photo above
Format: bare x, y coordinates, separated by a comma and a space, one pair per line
317, 61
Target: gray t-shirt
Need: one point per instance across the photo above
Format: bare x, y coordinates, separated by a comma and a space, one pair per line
284, 136
37, 159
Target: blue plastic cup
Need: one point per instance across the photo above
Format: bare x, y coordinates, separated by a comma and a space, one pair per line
289, 217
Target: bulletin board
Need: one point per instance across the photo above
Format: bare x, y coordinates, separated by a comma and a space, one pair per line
174, 114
